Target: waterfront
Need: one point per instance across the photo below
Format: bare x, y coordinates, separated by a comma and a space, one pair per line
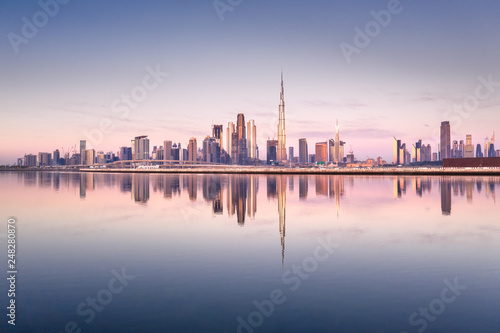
204, 247
265, 170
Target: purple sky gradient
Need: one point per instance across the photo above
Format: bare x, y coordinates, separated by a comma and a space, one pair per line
63, 81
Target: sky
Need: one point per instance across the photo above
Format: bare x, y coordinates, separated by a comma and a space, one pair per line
384, 69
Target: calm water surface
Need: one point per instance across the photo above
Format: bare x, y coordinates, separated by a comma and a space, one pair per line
250, 253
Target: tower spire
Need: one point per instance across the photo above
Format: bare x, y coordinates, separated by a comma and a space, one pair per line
281, 151
282, 94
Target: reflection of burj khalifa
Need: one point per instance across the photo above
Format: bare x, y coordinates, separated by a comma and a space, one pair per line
337, 190
281, 211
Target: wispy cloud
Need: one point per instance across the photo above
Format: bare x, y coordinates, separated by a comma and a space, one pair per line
350, 105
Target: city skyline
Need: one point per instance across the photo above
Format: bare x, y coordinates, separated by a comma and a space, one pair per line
241, 148
392, 87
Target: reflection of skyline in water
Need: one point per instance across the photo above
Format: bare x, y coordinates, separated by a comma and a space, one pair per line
238, 193
448, 185
196, 248
236, 196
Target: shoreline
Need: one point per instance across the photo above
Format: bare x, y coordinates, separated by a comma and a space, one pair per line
291, 171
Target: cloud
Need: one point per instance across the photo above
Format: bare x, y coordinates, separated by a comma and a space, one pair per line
372, 133
350, 105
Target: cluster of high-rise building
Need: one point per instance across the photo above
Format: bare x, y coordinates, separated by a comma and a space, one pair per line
456, 149
420, 153
239, 146
446, 149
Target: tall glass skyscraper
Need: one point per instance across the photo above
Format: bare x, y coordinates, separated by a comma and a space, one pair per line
229, 138
337, 143
397, 152
445, 140
252, 139
303, 153
242, 139
469, 147
141, 144
192, 150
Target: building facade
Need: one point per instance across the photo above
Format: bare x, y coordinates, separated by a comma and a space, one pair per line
192, 150
272, 148
445, 140
252, 140
303, 153
141, 145
322, 152
469, 147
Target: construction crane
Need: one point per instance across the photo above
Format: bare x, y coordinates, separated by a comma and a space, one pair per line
69, 151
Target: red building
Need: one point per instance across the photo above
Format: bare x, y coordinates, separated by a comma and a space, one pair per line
481, 162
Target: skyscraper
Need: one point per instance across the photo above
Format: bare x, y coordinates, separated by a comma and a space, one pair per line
141, 145
229, 138
44, 159
125, 154
240, 126
272, 146
445, 140
167, 150
342, 144
83, 146
252, 139
426, 153
303, 153
217, 133
479, 153
488, 151
491, 151
469, 147
56, 155
30, 160
192, 150
281, 152
397, 152
331, 150
242, 140
322, 152
234, 148
454, 150
89, 156
417, 151
211, 150
461, 149
337, 143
